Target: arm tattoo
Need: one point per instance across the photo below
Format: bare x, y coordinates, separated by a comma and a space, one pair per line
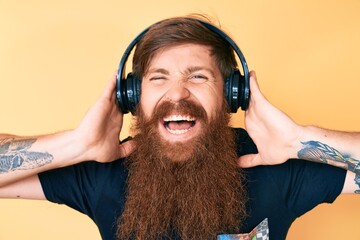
357, 181
14, 155
320, 152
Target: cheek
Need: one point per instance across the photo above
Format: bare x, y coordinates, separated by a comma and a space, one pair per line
213, 105
148, 101
211, 100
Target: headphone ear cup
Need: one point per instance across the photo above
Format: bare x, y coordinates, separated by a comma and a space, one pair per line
127, 93
232, 90
132, 93
121, 98
237, 91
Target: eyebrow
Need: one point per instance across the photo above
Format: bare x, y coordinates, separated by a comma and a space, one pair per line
157, 70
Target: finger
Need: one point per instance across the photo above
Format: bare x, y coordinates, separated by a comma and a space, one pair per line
126, 148
249, 160
254, 86
257, 100
109, 90
254, 92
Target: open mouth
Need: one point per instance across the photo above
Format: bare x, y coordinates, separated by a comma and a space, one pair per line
178, 124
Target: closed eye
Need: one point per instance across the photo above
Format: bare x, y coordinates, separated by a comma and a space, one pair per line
198, 78
156, 74
157, 78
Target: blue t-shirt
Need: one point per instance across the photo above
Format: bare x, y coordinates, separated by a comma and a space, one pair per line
279, 193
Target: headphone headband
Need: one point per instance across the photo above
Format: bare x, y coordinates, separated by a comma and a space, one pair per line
128, 94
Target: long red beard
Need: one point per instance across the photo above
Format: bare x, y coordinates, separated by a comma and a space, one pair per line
197, 195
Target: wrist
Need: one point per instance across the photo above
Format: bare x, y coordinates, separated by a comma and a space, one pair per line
300, 136
78, 147
71, 148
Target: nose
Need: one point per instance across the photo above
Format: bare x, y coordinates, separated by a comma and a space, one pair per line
178, 91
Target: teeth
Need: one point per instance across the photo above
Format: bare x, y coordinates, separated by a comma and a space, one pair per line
178, 118
177, 132
175, 118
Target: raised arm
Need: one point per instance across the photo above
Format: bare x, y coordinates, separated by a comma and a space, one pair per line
96, 138
279, 138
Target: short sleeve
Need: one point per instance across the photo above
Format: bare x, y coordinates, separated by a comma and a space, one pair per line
79, 186
95, 189
305, 184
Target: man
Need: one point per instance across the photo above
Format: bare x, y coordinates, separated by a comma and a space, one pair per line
181, 179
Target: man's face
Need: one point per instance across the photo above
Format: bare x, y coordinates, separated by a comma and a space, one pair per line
182, 72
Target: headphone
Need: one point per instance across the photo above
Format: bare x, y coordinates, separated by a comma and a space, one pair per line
237, 86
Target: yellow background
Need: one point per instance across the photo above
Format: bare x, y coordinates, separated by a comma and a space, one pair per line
56, 57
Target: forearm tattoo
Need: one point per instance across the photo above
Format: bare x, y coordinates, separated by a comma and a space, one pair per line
320, 152
357, 181
14, 155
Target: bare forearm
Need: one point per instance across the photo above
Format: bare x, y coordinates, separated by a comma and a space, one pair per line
332, 147
340, 149
21, 157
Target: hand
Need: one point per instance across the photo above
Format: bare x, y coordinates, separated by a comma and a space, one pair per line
100, 129
274, 133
